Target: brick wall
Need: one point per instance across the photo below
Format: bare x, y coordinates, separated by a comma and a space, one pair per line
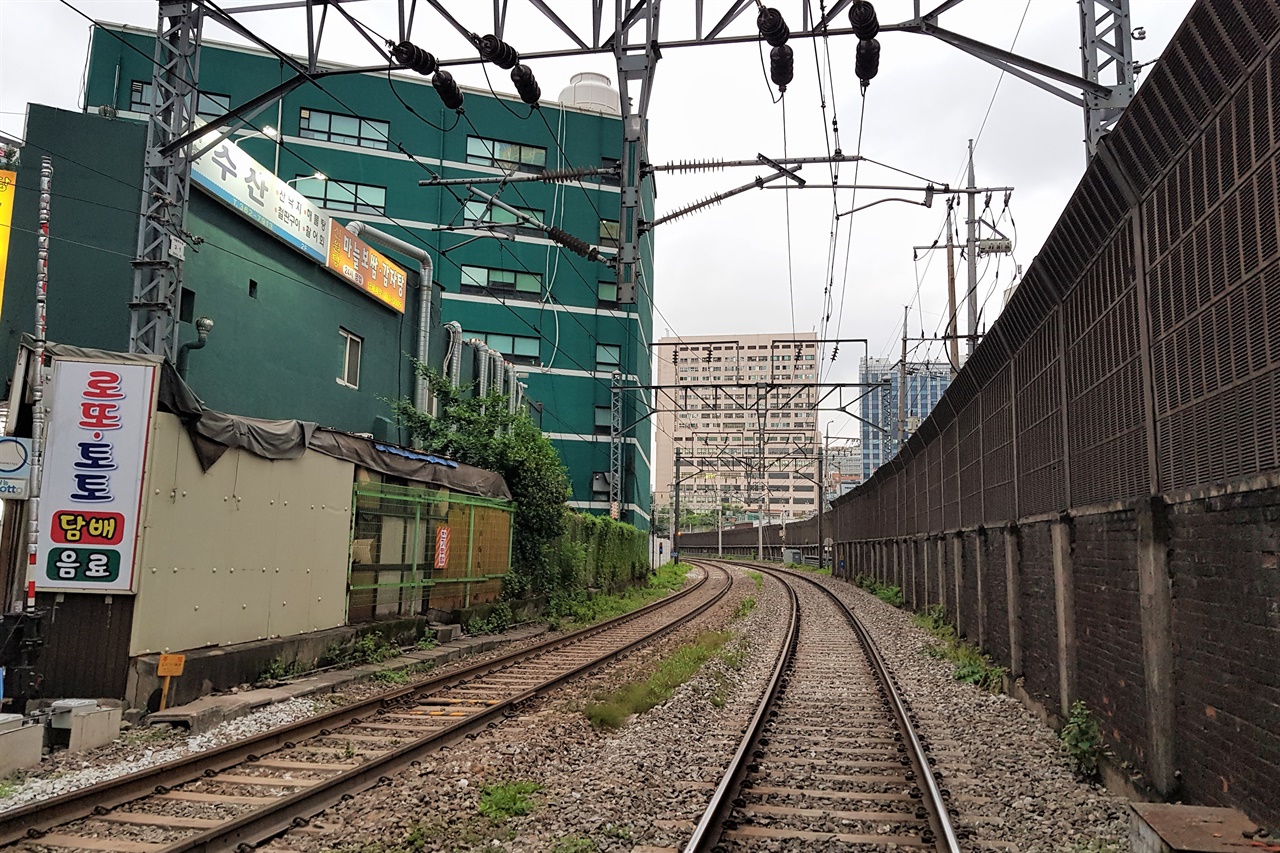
1109, 667
995, 592
1225, 562
1039, 615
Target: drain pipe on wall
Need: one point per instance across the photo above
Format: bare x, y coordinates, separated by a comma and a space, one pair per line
421, 393
454, 356
203, 326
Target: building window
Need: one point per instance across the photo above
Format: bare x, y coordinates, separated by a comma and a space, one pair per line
344, 195
208, 105
604, 420
608, 357
517, 349
352, 344
610, 233
486, 280
343, 129
607, 292
508, 156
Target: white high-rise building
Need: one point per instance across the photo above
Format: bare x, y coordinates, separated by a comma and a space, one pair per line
738, 400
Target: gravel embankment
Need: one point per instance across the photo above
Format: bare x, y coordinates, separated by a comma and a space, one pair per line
644, 784
1015, 761
141, 747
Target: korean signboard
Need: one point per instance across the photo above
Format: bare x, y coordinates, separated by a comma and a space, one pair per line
91, 486
365, 267
243, 184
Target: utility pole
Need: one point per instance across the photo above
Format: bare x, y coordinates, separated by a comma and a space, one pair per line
37, 382
821, 499
953, 323
971, 247
720, 522
902, 381
675, 520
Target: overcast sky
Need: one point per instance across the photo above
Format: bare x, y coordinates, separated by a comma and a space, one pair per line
727, 269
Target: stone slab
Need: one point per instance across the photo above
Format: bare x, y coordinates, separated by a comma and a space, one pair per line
206, 712
1164, 828
20, 748
92, 729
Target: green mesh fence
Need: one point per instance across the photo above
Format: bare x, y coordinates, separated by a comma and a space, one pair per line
414, 549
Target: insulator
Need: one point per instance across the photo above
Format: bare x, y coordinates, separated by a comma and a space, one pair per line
560, 176
862, 17
447, 88
495, 50
409, 54
526, 85
782, 66
573, 244
867, 61
772, 27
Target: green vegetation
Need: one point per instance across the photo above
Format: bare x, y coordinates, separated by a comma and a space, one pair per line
971, 665
574, 844
636, 698
367, 648
281, 670
403, 676
427, 641
745, 606
805, 567
8, 787
888, 594
481, 431
1081, 740
507, 799
499, 619
758, 578
581, 608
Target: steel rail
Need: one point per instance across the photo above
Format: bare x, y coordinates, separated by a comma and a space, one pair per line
707, 833
37, 818
243, 833
945, 839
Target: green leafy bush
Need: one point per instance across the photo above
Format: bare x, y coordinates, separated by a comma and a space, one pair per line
889, 594
507, 799
1082, 740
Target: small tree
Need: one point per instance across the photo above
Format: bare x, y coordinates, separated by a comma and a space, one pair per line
481, 431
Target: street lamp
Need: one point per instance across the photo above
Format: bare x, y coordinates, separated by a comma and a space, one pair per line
318, 176
267, 132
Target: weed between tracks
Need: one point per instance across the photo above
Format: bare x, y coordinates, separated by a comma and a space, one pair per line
745, 606
758, 578
636, 698
581, 609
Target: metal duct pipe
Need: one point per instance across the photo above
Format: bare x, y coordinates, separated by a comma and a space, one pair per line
513, 389
455, 352
421, 391
483, 358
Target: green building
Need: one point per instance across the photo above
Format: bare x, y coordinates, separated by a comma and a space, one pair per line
286, 330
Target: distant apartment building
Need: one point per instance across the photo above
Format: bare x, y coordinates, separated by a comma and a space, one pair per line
732, 397
926, 382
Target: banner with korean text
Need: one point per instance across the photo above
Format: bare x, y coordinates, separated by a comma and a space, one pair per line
91, 487
242, 183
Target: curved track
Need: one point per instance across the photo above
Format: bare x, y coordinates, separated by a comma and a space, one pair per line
235, 796
831, 755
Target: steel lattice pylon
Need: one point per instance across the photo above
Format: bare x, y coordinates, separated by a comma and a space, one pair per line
157, 273
1105, 43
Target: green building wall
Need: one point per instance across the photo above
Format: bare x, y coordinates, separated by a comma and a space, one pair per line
278, 354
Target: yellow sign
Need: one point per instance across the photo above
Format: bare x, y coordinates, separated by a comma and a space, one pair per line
366, 268
8, 181
171, 665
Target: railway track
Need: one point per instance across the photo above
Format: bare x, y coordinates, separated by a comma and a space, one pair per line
238, 795
831, 756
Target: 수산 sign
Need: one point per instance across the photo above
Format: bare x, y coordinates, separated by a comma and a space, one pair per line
242, 183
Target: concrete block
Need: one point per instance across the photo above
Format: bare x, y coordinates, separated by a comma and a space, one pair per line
446, 633
20, 748
1164, 828
94, 729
